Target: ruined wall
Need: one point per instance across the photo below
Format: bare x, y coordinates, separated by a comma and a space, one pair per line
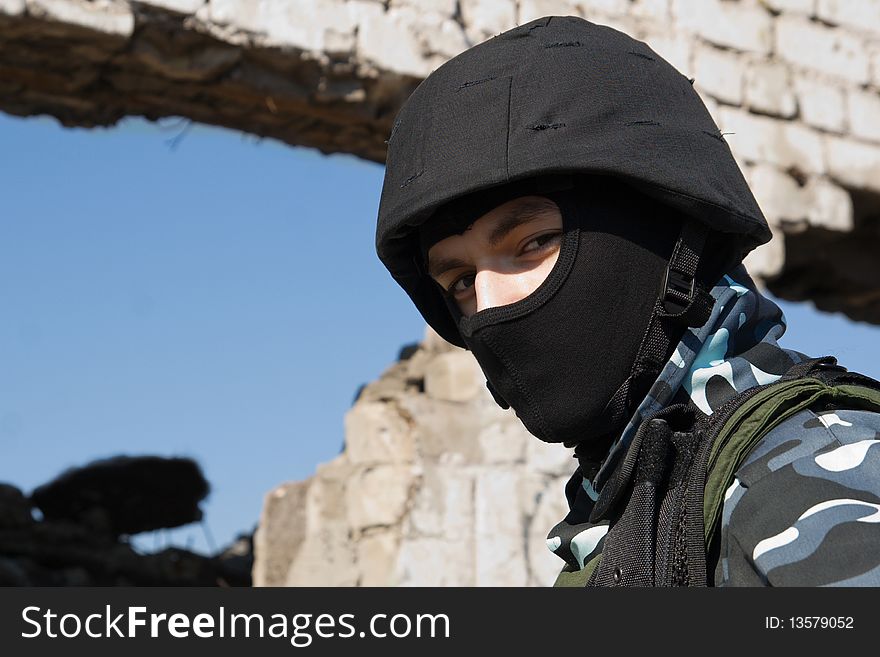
437, 485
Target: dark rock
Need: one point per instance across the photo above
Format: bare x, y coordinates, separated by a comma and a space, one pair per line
406, 351
13, 573
236, 562
15, 508
126, 495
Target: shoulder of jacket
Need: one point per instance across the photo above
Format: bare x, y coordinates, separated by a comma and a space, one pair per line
805, 437
805, 504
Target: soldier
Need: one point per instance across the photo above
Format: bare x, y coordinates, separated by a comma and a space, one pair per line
559, 201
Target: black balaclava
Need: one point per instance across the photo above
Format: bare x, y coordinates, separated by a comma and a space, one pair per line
560, 355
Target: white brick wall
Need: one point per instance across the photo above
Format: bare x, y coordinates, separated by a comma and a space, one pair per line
785, 144
738, 25
768, 88
719, 73
860, 15
821, 103
864, 114
830, 50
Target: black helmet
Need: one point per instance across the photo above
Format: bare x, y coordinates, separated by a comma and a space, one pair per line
558, 96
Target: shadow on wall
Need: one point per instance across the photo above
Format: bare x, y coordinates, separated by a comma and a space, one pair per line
835, 269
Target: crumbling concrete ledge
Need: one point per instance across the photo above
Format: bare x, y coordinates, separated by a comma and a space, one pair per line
794, 86
283, 70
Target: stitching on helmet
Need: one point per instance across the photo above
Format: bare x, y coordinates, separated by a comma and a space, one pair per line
471, 83
563, 44
546, 126
411, 178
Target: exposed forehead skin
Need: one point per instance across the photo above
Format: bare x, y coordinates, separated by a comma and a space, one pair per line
506, 218
455, 216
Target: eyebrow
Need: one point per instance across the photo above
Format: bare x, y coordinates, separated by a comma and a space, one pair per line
521, 214
516, 217
436, 268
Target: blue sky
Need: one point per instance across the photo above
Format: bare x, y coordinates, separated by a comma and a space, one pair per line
196, 292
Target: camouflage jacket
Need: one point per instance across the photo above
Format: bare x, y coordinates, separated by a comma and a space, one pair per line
804, 508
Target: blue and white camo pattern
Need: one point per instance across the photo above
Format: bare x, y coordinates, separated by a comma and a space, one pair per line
804, 508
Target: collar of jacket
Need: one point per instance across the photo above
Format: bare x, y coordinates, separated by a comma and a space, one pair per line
736, 349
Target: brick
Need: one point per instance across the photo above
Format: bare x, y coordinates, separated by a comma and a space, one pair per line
313, 26
767, 260
821, 104
778, 194
610, 7
827, 49
377, 496
768, 89
530, 10
675, 47
104, 16
875, 67
280, 532
434, 562
376, 555
327, 555
434, 344
500, 528
12, 7
443, 7
729, 24
654, 9
863, 15
446, 39
807, 7
719, 73
388, 39
454, 377
503, 442
443, 505
376, 432
180, 6
549, 458
784, 202
763, 139
854, 164
863, 109
483, 20
830, 206
793, 207
620, 22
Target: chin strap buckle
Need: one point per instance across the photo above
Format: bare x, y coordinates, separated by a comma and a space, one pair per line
678, 290
681, 297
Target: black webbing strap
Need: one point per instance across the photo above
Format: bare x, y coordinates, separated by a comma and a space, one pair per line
682, 302
680, 289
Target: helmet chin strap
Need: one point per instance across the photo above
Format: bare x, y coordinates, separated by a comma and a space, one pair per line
682, 303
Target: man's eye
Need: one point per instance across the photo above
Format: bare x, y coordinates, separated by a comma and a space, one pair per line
541, 242
461, 284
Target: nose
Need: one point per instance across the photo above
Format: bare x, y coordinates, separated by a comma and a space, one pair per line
493, 288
